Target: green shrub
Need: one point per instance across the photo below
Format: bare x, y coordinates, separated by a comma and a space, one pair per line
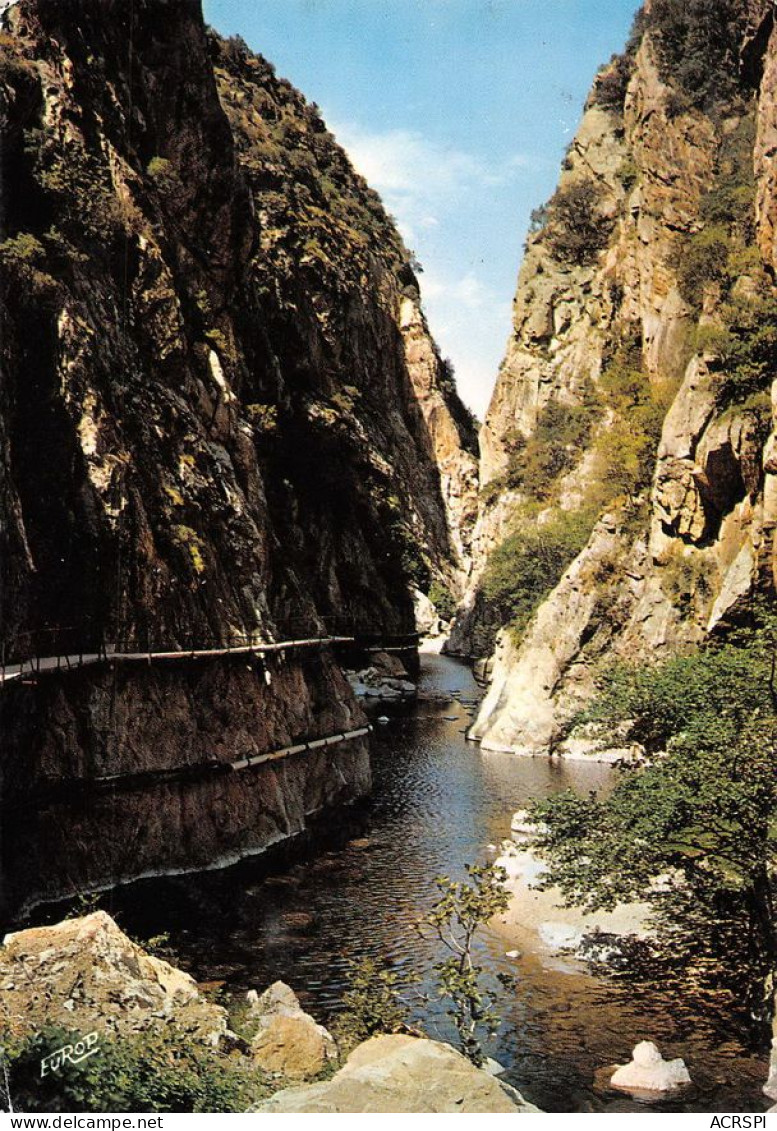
750, 359
459, 915
263, 417
612, 82
628, 173
490, 492
685, 578
701, 262
373, 1004
538, 219
163, 1070
442, 599
626, 449
84, 194
346, 399
724, 248
577, 229
190, 541
697, 46
626, 454
22, 257
561, 433
163, 174
702, 809
529, 563
23, 248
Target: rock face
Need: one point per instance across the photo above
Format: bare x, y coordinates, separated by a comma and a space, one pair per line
289, 1042
649, 1072
402, 1074
621, 356
221, 414
85, 974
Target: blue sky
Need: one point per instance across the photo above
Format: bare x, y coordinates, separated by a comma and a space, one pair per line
458, 112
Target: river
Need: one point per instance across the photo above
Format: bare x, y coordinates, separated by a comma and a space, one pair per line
438, 803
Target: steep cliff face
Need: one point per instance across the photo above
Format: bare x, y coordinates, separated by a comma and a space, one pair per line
630, 431
221, 414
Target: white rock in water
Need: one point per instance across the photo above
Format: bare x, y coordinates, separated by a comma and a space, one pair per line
649, 1072
512, 954
770, 1087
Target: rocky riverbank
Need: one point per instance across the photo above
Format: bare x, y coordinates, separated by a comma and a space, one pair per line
537, 919
84, 978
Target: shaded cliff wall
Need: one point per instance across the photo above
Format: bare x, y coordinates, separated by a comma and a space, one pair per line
216, 418
642, 355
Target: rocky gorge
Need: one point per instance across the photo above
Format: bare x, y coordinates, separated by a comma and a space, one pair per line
237, 487
629, 437
212, 330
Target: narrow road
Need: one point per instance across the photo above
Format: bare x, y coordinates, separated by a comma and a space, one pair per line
39, 665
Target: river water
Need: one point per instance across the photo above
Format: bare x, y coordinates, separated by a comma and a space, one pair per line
438, 803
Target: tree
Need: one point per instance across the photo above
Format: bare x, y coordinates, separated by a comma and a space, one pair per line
612, 83
697, 46
691, 829
373, 1003
578, 229
455, 920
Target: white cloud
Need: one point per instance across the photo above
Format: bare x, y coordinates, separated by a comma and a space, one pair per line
418, 177
430, 187
467, 291
470, 320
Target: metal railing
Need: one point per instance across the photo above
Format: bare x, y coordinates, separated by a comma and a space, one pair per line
67, 648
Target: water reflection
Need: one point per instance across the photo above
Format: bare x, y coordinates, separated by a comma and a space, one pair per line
438, 802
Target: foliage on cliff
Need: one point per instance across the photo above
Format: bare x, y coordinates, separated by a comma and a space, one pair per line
314, 205
527, 565
697, 45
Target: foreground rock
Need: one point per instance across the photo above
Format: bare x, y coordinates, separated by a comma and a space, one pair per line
649, 1072
87, 974
402, 1074
288, 1042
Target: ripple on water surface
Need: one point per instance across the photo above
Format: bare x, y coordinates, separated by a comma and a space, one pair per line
438, 801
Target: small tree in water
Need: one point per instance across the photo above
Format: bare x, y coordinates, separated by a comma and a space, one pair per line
455, 920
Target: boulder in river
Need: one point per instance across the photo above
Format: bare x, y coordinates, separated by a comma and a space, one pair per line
649, 1072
